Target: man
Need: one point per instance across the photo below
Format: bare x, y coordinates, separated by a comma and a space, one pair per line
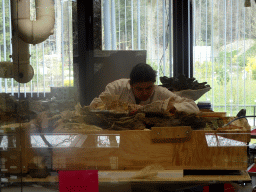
140, 89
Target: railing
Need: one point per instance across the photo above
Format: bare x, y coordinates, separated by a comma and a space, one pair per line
250, 112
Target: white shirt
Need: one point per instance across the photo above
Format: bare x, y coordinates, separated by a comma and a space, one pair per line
122, 87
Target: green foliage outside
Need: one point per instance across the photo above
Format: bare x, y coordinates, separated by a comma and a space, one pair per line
233, 81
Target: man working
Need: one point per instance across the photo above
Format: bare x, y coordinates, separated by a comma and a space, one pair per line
140, 89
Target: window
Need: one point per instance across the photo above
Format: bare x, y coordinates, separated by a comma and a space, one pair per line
223, 44
224, 53
138, 25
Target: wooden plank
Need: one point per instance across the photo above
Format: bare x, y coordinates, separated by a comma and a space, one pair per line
213, 114
136, 150
159, 134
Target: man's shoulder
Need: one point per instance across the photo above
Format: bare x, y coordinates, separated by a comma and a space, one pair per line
120, 81
163, 91
160, 88
119, 84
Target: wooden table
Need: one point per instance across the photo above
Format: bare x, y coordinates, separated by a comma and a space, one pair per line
154, 184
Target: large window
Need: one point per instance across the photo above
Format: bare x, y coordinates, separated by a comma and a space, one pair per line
224, 53
224, 44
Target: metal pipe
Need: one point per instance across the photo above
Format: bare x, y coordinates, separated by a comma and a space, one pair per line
189, 64
62, 41
4, 39
119, 38
37, 68
151, 33
107, 29
18, 90
10, 28
225, 63
206, 25
132, 24
212, 50
237, 33
125, 27
31, 84
244, 58
231, 79
158, 64
43, 69
237, 119
164, 37
1, 69
170, 38
138, 18
25, 93
194, 29
113, 24
254, 117
69, 52
145, 24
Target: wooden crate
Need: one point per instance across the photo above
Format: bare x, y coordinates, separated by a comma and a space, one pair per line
173, 148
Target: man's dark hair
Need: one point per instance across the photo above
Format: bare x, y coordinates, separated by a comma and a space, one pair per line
142, 72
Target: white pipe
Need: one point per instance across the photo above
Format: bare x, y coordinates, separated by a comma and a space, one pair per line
19, 69
33, 32
27, 32
23, 72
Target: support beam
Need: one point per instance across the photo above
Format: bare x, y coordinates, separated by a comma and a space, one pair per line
182, 42
85, 50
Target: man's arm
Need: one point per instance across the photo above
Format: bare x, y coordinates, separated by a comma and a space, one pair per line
178, 103
111, 89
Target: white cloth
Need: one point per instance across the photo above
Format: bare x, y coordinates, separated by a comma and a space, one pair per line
122, 87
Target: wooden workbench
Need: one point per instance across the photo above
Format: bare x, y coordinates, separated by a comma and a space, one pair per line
241, 176
169, 184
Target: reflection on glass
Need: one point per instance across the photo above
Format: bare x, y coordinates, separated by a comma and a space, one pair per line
4, 143
7, 141
221, 141
108, 141
56, 141
211, 140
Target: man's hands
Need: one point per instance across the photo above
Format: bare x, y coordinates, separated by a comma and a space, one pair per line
171, 107
172, 110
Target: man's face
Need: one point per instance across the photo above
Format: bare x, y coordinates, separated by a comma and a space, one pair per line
143, 90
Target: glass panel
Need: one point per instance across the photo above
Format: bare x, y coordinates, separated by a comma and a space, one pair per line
52, 143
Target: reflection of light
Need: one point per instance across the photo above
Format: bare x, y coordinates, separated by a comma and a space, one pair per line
7, 141
211, 140
108, 141
54, 140
219, 141
4, 143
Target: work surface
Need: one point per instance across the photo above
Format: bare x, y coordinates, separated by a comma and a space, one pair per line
198, 176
